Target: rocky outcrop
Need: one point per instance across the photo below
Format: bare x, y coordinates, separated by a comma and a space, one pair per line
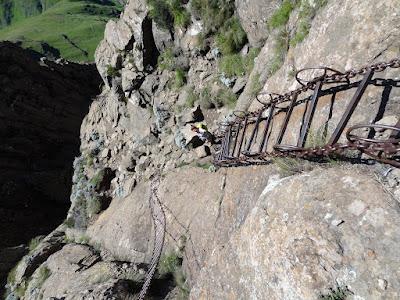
41, 108
307, 234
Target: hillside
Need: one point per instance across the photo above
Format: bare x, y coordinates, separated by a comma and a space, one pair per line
57, 28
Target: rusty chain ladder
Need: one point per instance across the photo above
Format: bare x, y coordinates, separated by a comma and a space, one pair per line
159, 221
236, 149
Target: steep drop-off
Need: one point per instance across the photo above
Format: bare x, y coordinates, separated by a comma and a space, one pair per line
42, 104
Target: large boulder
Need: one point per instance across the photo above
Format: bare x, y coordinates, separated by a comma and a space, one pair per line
327, 229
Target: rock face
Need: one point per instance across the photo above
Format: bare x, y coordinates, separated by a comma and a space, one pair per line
239, 233
253, 15
41, 108
307, 234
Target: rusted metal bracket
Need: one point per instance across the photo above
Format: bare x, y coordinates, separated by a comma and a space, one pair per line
234, 133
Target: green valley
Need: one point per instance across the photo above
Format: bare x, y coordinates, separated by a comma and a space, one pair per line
70, 29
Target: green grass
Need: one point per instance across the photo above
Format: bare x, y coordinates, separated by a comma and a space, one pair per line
232, 65
180, 78
33, 243
213, 13
288, 166
65, 21
231, 38
255, 85
43, 274
112, 72
281, 16
191, 98
236, 64
169, 263
280, 50
166, 60
306, 15
11, 275
169, 13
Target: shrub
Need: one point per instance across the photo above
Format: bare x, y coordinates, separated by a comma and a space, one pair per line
180, 15
281, 16
33, 243
169, 263
225, 97
232, 65
168, 13
338, 293
111, 71
159, 11
231, 38
213, 13
43, 274
180, 78
166, 61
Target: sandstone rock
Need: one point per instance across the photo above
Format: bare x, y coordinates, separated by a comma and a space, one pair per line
239, 85
193, 116
287, 248
130, 79
202, 151
27, 266
387, 120
118, 34
253, 15
77, 270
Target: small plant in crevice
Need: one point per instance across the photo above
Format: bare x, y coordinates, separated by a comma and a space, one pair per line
179, 78
166, 60
255, 85
280, 50
289, 166
337, 293
86, 200
280, 17
171, 263
306, 15
191, 98
33, 243
213, 13
112, 71
168, 13
231, 38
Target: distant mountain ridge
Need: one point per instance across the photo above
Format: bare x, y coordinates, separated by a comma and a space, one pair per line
57, 28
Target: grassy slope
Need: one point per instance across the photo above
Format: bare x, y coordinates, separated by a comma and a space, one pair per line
81, 21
